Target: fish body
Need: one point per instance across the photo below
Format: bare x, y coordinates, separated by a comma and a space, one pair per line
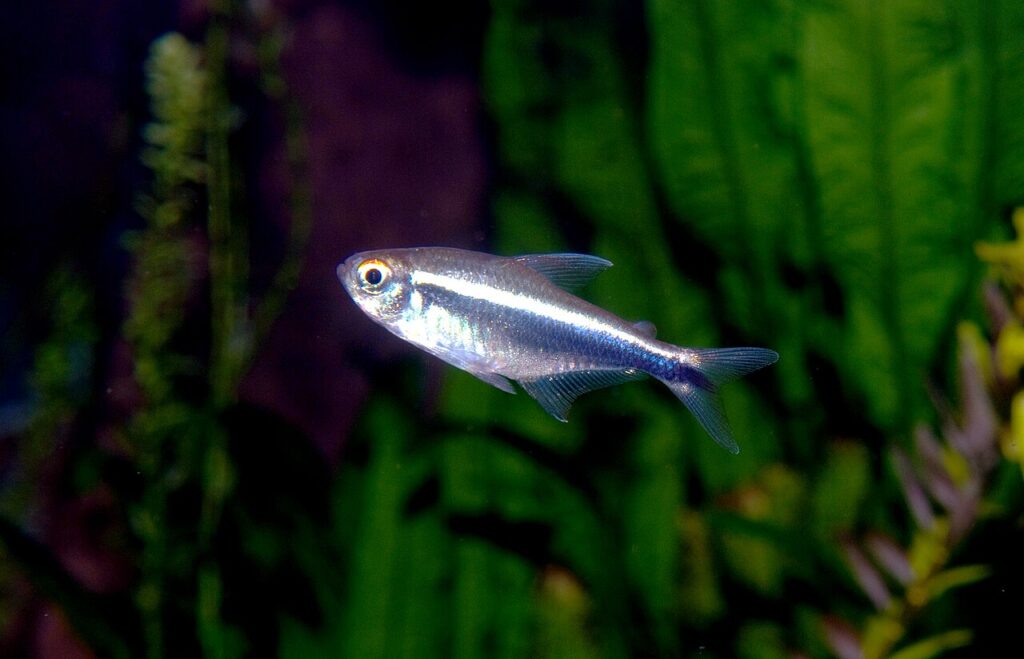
516, 319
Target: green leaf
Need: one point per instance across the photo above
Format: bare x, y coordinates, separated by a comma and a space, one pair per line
839, 489
722, 116
846, 141
761, 640
956, 577
892, 152
651, 510
368, 624
804, 176
935, 646
755, 542
700, 596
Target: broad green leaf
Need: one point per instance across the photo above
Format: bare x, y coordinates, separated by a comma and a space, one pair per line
372, 598
722, 114
839, 490
762, 640
893, 137
649, 520
763, 512
843, 140
700, 596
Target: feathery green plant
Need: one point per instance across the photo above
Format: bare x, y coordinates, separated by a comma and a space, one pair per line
179, 433
173, 434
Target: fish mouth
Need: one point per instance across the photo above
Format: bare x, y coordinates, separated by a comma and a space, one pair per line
346, 272
342, 271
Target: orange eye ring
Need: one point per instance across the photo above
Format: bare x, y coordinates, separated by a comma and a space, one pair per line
373, 275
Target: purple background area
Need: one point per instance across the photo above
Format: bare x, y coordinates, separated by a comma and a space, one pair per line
395, 159
397, 156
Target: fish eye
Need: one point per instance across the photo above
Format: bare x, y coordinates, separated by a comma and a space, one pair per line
373, 275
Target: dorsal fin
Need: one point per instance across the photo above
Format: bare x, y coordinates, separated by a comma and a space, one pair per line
569, 272
646, 328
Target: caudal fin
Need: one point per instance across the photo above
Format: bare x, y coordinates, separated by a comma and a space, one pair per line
700, 375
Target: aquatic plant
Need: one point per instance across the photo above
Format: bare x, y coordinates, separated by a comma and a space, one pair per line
953, 473
807, 176
195, 242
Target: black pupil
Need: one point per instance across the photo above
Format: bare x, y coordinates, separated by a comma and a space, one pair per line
373, 276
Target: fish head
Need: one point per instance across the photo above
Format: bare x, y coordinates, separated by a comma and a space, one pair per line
378, 281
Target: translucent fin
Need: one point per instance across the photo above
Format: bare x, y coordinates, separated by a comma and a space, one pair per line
496, 380
699, 376
473, 364
556, 393
722, 365
569, 272
706, 406
646, 328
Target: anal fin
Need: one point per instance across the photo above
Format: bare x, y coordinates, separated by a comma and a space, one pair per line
556, 393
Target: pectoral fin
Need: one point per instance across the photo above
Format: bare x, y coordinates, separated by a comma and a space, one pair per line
475, 365
498, 381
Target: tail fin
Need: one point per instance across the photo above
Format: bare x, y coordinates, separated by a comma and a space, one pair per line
700, 377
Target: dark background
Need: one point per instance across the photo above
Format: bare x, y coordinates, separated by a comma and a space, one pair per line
205, 449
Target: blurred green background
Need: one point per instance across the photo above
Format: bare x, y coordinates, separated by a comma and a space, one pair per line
208, 451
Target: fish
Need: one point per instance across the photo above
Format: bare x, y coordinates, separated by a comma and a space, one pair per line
517, 318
